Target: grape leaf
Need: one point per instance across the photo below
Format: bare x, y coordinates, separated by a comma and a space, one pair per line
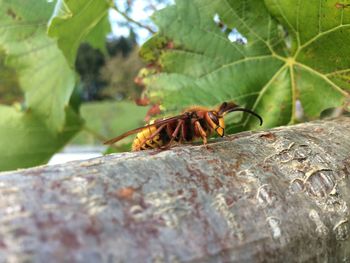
321, 32
44, 75
75, 21
26, 140
33, 131
97, 36
289, 50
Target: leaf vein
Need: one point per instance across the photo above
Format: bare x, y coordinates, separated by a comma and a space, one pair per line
263, 90
318, 36
331, 83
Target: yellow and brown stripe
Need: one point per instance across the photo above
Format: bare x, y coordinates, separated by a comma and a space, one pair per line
156, 142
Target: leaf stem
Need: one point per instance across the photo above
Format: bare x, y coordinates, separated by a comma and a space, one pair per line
128, 18
294, 93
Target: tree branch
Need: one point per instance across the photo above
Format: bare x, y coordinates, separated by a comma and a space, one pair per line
281, 195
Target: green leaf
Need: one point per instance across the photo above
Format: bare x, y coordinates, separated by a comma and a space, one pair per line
321, 30
27, 141
75, 21
97, 36
9, 84
109, 119
44, 75
295, 50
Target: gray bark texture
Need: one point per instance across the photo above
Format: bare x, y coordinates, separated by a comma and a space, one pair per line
281, 195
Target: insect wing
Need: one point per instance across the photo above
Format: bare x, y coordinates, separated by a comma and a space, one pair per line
126, 134
160, 122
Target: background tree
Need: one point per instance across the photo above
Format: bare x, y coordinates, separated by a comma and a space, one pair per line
88, 64
121, 83
108, 74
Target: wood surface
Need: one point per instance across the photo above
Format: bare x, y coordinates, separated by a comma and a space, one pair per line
281, 195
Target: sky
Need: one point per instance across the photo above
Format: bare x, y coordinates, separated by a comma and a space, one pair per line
140, 13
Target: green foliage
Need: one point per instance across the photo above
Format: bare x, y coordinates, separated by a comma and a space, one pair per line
109, 119
96, 37
74, 22
44, 123
42, 67
27, 141
9, 85
45, 78
294, 51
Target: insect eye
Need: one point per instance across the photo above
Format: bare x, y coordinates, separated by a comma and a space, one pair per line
213, 117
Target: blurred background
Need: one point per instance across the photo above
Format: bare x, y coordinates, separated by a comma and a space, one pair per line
106, 81
72, 77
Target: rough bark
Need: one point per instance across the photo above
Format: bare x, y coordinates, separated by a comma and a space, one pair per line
279, 196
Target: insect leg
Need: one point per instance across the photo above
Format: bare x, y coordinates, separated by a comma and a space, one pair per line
201, 131
150, 137
175, 133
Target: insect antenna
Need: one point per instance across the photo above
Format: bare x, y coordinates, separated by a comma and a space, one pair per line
245, 110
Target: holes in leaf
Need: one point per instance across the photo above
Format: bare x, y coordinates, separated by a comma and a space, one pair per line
235, 36
299, 111
219, 23
283, 34
216, 18
232, 34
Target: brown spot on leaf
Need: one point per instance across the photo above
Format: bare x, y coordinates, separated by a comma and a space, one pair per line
139, 81
154, 67
170, 45
341, 5
142, 101
12, 14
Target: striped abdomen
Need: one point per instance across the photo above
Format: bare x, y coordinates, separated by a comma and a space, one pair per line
156, 142
163, 136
